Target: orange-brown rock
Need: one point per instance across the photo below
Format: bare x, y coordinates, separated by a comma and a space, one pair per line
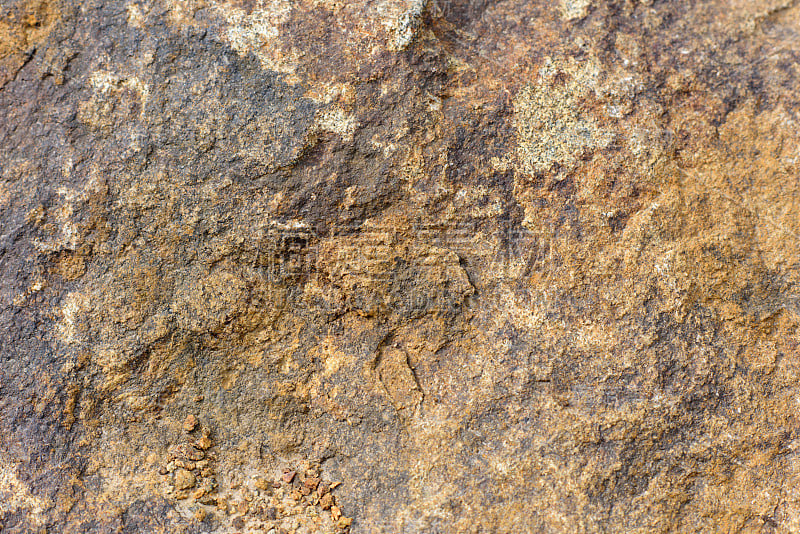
515, 266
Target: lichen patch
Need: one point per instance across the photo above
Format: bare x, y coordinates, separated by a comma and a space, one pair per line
335, 120
553, 124
15, 495
257, 31
401, 20
574, 9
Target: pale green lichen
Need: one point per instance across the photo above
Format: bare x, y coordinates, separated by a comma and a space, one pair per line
552, 125
574, 9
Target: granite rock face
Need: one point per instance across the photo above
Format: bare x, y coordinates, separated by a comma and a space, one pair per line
401, 266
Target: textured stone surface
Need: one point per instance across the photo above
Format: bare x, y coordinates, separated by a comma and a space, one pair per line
399, 266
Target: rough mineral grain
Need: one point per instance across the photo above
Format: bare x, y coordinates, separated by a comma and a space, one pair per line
461, 266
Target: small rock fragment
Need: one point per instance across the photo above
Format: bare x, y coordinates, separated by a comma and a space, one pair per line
203, 443
190, 423
336, 513
184, 479
184, 464
200, 514
210, 500
288, 476
326, 501
195, 455
185, 451
344, 522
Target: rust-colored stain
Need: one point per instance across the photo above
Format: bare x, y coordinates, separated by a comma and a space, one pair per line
399, 266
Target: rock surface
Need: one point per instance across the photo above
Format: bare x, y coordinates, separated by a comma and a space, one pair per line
402, 266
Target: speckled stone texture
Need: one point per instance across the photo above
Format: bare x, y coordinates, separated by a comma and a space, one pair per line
399, 266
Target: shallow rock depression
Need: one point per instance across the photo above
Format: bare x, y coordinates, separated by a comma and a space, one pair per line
399, 266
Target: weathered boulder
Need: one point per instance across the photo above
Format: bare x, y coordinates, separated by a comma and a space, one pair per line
402, 266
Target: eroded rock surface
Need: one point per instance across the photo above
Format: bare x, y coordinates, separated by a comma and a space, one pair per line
399, 266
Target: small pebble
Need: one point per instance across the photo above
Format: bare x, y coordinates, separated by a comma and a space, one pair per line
184, 479
210, 500
190, 423
326, 501
185, 451
203, 443
185, 464
335, 513
288, 476
196, 455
